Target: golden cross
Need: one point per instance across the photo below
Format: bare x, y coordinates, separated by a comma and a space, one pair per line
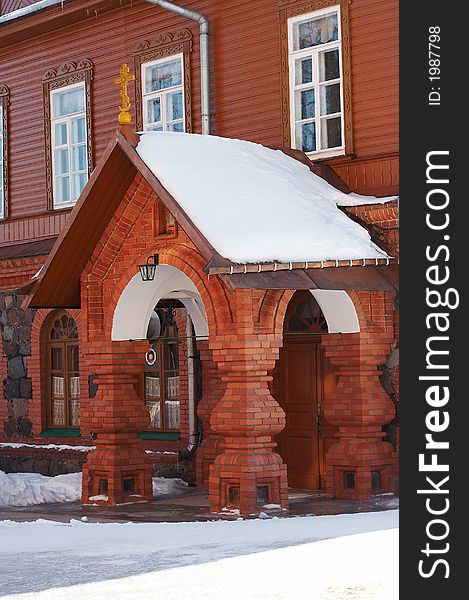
123, 81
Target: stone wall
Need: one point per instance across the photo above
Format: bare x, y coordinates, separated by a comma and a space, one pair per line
15, 330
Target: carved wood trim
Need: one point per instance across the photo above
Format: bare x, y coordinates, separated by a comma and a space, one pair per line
67, 74
294, 8
166, 44
4, 102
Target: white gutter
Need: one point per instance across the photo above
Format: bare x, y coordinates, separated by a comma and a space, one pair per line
204, 56
29, 10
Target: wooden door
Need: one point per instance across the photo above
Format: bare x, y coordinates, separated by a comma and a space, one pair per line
301, 390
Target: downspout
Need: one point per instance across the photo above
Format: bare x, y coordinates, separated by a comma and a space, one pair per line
204, 61
194, 434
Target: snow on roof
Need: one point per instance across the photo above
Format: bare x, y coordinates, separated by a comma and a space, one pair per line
254, 204
353, 199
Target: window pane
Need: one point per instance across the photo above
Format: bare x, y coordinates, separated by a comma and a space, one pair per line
303, 71
155, 416
72, 359
155, 127
60, 134
329, 65
56, 359
330, 99
74, 411
172, 412
331, 133
58, 413
174, 106
79, 158
79, 182
78, 130
61, 161
159, 77
306, 136
176, 127
152, 385
316, 31
305, 104
67, 102
62, 189
154, 110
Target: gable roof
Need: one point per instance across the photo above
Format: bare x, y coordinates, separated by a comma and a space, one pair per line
57, 284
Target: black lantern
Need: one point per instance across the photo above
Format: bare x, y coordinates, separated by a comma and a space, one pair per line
147, 271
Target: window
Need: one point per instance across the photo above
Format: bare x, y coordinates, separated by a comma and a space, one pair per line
69, 157
161, 383
163, 95
316, 80
4, 99
163, 82
69, 140
316, 104
63, 372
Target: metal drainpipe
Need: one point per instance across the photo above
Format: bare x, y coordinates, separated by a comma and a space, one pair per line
204, 64
194, 436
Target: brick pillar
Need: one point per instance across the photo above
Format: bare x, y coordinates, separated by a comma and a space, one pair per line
212, 391
248, 473
118, 469
359, 464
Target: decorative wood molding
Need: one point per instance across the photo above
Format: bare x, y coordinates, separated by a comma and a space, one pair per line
166, 44
294, 8
4, 103
67, 74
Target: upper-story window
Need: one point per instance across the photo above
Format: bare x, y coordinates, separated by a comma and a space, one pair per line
67, 129
69, 141
315, 72
163, 82
4, 98
163, 94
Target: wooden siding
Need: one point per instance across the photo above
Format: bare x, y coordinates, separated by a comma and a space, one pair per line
245, 51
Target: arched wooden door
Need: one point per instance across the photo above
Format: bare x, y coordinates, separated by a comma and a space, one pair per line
303, 371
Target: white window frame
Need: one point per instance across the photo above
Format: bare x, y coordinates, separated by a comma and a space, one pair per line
162, 94
313, 52
68, 120
2, 161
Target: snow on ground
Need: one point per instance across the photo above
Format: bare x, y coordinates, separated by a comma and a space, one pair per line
344, 557
59, 447
255, 204
25, 489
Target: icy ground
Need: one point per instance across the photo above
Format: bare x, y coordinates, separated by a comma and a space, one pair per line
344, 557
26, 489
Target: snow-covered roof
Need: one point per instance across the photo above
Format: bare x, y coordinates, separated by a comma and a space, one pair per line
252, 203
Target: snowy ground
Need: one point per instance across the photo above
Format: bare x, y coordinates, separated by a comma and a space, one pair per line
26, 489
344, 557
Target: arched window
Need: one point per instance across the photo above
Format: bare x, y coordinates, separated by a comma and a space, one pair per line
63, 373
304, 315
161, 382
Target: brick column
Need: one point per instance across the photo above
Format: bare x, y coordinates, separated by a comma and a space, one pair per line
118, 469
360, 463
212, 391
248, 473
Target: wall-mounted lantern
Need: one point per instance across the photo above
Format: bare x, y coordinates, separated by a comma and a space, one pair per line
147, 271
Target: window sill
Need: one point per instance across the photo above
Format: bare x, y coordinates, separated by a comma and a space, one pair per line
71, 432
318, 156
167, 436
